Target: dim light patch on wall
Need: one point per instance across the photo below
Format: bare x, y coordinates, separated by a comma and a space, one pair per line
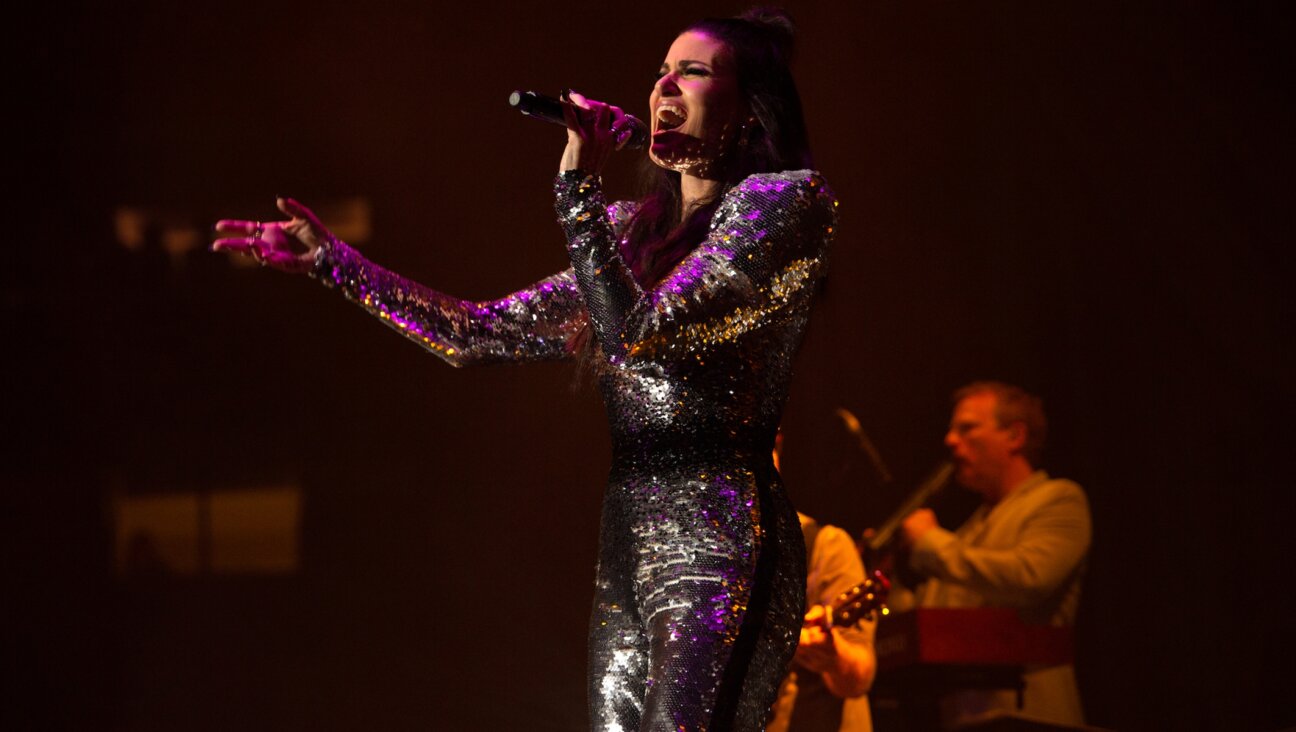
228, 531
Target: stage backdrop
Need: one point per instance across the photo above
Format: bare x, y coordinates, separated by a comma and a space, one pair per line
237, 502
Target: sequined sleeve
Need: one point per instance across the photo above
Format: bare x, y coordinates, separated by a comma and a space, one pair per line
766, 250
532, 324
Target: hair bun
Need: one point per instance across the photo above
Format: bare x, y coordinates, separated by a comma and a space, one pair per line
774, 21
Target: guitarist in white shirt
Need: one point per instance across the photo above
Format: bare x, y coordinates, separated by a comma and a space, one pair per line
832, 671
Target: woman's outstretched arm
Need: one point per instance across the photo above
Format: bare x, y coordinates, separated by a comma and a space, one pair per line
535, 323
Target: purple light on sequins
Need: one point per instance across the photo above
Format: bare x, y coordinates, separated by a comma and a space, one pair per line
719, 616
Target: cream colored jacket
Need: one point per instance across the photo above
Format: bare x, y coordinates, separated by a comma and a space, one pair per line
1027, 552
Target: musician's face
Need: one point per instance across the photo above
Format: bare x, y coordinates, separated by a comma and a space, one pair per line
695, 106
982, 449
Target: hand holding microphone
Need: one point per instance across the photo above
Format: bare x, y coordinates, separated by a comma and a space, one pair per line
594, 129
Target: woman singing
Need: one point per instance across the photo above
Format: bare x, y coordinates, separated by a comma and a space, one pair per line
690, 303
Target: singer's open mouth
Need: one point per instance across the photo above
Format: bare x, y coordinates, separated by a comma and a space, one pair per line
670, 117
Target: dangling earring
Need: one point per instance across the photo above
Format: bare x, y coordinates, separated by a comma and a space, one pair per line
745, 133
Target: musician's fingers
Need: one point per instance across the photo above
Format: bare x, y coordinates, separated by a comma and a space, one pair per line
592, 114
578, 99
622, 132
571, 115
616, 121
815, 616
814, 637
824, 638
292, 208
235, 226
601, 117
238, 245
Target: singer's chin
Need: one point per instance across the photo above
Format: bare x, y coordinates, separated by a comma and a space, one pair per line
676, 151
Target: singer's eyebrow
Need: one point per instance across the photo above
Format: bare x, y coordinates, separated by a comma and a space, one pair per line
683, 63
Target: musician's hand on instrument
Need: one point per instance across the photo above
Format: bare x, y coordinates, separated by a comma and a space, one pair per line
817, 650
846, 665
917, 524
288, 246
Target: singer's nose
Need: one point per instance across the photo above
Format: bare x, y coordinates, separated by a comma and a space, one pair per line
666, 85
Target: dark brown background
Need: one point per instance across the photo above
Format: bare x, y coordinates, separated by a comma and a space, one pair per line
1086, 198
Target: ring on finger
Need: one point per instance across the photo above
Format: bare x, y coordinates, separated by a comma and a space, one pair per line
256, 240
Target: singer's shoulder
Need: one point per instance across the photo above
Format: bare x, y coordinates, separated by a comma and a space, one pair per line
806, 187
789, 198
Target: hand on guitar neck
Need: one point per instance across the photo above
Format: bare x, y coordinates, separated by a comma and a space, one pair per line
847, 667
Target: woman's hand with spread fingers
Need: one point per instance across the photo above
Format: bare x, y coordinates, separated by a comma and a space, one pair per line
288, 246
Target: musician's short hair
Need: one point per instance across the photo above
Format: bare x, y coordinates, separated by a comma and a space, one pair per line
1014, 404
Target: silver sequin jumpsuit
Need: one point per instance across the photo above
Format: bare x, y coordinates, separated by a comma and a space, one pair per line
701, 577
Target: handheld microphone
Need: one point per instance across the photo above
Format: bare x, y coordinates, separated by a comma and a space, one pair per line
551, 110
